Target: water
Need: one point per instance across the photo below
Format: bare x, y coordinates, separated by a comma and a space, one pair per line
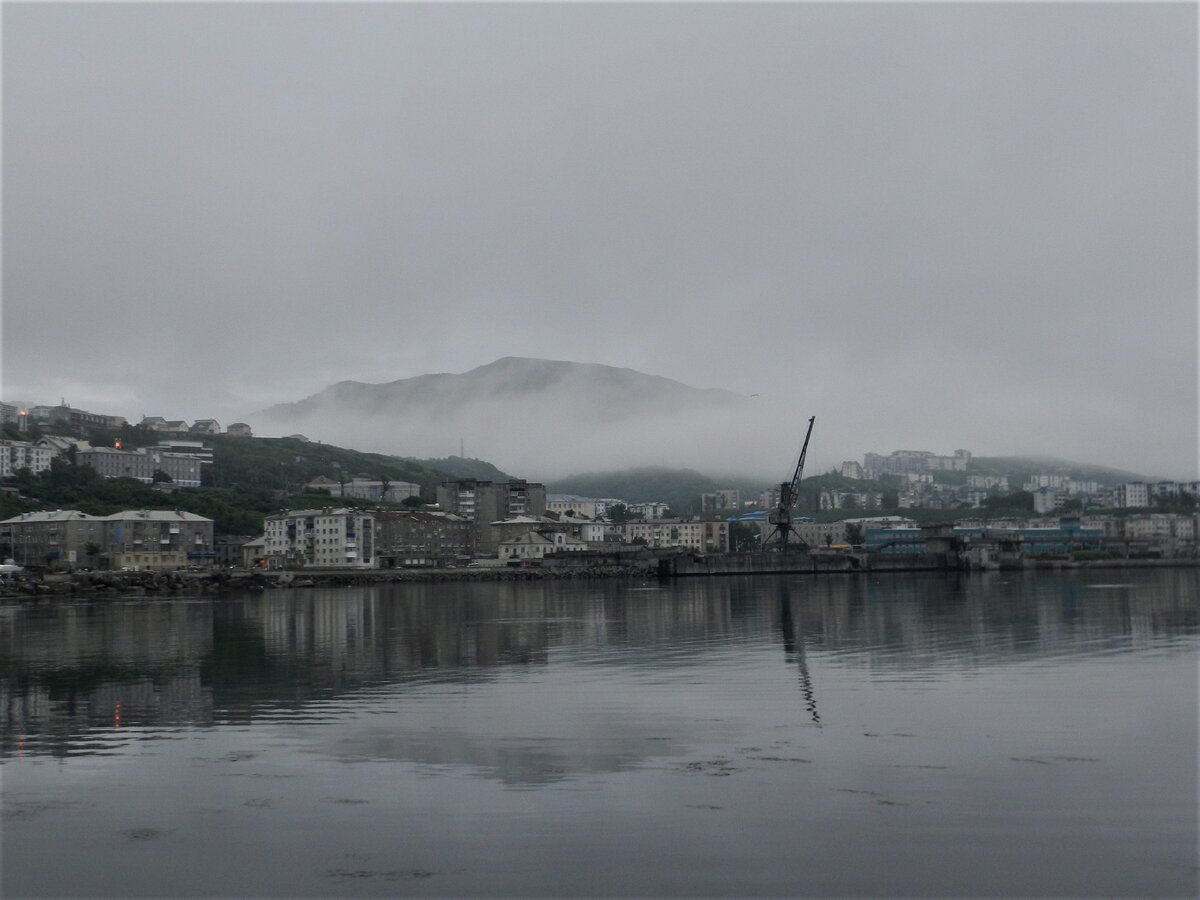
999, 734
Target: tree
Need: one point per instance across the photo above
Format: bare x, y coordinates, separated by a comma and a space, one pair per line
412, 502
384, 484
618, 513
161, 477
854, 533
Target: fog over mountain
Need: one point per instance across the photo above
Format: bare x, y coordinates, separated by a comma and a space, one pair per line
546, 419
534, 417
930, 225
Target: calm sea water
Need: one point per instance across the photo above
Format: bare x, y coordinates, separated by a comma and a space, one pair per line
998, 734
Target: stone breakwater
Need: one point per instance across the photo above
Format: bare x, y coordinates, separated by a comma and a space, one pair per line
97, 585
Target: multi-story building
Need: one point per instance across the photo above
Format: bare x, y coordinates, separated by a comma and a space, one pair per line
1045, 499
18, 455
1133, 494
205, 426
851, 469
158, 539
184, 469
576, 505
900, 462
420, 538
58, 538
323, 538
151, 539
768, 499
484, 502
239, 429
649, 510
366, 489
725, 500
536, 544
816, 534
195, 449
704, 536
988, 482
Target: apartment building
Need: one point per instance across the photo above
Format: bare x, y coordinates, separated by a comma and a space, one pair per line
536, 544
485, 502
725, 500
1133, 494
158, 540
151, 539
703, 536
323, 538
420, 538
184, 469
366, 489
18, 455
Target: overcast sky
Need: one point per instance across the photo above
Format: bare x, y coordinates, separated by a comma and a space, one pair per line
932, 226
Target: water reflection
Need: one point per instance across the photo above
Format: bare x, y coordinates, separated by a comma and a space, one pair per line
72, 671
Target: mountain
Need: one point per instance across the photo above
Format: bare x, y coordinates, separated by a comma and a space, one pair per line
533, 417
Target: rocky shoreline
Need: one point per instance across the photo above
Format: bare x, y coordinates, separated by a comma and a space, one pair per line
112, 584
99, 585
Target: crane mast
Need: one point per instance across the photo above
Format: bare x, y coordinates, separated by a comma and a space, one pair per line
789, 492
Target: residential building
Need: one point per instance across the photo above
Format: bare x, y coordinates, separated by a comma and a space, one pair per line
420, 538
900, 462
18, 455
574, 504
323, 538
366, 489
183, 469
59, 539
1045, 499
158, 539
768, 499
1133, 494
536, 544
725, 500
817, 534
194, 449
205, 426
704, 536
989, 482
69, 417
485, 502
137, 539
239, 429
851, 469
650, 510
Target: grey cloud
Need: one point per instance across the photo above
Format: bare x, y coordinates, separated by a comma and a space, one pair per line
932, 225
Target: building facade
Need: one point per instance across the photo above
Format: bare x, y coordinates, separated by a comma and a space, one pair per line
703, 536
184, 469
322, 538
420, 538
484, 502
153, 539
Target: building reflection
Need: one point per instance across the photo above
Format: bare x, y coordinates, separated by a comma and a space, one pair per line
72, 671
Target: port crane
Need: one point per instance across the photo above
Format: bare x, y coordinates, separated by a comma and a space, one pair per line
781, 517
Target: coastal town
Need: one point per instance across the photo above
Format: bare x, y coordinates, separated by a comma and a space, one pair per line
355, 522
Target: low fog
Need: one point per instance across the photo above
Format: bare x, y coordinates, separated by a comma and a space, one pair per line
932, 226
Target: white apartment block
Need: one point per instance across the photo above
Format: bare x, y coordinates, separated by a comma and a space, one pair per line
701, 536
322, 538
1133, 494
652, 510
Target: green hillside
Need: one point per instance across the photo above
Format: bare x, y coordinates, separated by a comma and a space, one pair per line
249, 478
